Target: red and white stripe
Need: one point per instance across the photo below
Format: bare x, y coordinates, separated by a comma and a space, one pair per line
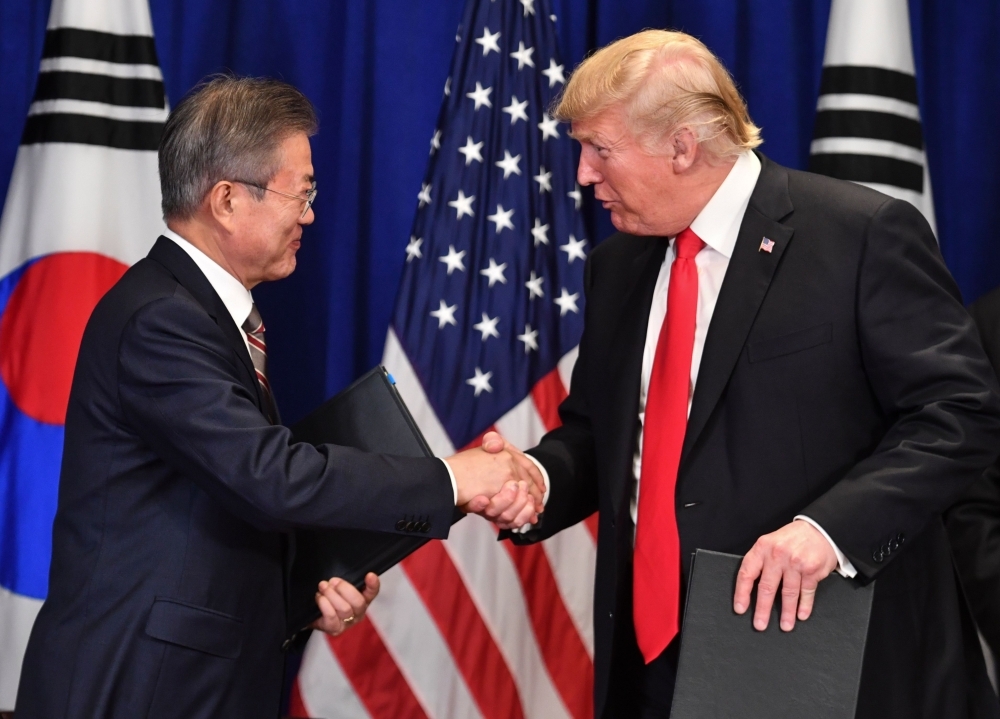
469, 627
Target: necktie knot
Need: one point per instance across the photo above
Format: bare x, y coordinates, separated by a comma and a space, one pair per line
687, 244
253, 324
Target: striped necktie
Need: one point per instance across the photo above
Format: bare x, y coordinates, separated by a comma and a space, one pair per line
253, 325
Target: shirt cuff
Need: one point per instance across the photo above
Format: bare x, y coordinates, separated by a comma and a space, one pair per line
844, 566
454, 483
545, 497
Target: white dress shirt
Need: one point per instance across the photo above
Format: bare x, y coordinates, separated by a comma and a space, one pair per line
718, 225
239, 301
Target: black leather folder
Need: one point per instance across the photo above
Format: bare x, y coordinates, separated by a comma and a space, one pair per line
729, 669
368, 415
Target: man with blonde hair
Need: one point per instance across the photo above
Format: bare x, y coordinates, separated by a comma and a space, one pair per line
774, 364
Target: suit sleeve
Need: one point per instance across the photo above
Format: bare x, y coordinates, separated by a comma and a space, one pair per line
973, 522
567, 453
179, 391
973, 525
928, 372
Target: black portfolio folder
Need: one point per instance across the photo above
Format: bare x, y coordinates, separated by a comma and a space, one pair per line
368, 415
729, 669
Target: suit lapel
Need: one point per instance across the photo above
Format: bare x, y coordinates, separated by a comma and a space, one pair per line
624, 367
747, 280
186, 272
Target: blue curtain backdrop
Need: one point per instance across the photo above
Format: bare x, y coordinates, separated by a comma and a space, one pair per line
376, 71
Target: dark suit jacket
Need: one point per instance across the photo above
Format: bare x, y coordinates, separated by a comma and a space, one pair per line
974, 522
841, 379
167, 592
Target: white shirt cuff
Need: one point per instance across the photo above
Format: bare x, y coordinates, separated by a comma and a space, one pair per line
545, 497
844, 566
454, 483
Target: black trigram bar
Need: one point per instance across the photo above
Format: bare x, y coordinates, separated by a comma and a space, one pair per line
125, 91
869, 124
93, 45
869, 168
90, 130
839, 79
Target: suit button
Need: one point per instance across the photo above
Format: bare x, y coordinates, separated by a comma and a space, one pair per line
611, 615
425, 527
884, 549
878, 556
410, 526
401, 525
900, 537
893, 545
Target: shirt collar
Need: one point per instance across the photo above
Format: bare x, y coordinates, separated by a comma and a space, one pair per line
230, 290
719, 222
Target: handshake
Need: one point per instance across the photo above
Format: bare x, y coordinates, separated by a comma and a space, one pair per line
499, 482
495, 480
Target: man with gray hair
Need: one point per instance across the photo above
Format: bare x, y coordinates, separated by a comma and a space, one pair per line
179, 485
773, 364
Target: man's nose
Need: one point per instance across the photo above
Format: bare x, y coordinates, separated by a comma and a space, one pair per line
586, 173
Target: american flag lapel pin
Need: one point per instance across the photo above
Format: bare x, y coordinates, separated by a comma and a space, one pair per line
766, 245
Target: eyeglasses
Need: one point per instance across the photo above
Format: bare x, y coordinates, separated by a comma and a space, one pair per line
308, 199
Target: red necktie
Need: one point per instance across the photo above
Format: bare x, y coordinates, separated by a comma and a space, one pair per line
657, 566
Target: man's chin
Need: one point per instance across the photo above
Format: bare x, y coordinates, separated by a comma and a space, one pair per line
283, 270
622, 224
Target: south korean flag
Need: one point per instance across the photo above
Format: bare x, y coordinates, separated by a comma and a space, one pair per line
868, 121
83, 204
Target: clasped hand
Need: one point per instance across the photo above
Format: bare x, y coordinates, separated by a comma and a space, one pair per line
498, 482
342, 605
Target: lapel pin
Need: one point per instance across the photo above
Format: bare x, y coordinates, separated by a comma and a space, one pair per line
766, 245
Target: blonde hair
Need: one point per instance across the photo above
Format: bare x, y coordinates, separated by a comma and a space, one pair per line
662, 80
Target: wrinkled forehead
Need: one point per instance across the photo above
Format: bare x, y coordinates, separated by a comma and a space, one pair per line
606, 126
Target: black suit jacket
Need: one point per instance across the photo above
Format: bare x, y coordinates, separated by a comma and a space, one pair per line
841, 379
167, 592
974, 522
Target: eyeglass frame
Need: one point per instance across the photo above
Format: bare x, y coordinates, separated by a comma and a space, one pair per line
309, 199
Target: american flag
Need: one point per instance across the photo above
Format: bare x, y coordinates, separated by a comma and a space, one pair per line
484, 335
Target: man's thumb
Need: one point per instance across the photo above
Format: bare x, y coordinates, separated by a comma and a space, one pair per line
493, 442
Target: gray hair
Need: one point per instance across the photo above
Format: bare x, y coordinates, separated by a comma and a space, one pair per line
227, 128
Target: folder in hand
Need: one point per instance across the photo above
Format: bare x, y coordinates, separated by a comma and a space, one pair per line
369, 415
729, 669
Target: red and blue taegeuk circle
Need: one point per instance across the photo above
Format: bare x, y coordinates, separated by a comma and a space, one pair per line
44, 306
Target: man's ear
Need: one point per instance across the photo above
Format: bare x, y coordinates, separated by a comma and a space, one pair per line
223, 202
685, 147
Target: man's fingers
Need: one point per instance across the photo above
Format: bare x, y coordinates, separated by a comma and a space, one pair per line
501, 501
791, 583
749, 571
336, 593
349, 593
807, 597
767, 589
330, 622
522, 500
527, 515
